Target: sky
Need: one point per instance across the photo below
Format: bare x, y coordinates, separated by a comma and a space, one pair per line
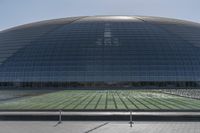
18, 12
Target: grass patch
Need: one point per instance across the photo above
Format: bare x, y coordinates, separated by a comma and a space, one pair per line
103, 100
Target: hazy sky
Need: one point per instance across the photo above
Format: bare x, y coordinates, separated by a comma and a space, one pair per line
17, 12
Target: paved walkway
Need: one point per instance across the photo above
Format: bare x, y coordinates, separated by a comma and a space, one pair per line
97, 127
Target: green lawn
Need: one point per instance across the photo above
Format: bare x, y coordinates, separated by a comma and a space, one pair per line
103, 100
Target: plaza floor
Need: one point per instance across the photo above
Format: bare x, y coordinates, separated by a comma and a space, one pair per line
97, 127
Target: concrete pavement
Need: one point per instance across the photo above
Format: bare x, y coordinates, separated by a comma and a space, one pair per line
97, 127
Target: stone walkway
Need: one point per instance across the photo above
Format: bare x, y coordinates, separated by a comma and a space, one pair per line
97, 127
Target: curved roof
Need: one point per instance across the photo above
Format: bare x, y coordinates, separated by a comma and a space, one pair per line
102, 48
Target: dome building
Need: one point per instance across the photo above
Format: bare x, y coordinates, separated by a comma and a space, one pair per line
101, 51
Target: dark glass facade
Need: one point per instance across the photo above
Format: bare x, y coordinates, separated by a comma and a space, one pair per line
102, 51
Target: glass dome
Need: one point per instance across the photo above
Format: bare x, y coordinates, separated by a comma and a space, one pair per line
128, 50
